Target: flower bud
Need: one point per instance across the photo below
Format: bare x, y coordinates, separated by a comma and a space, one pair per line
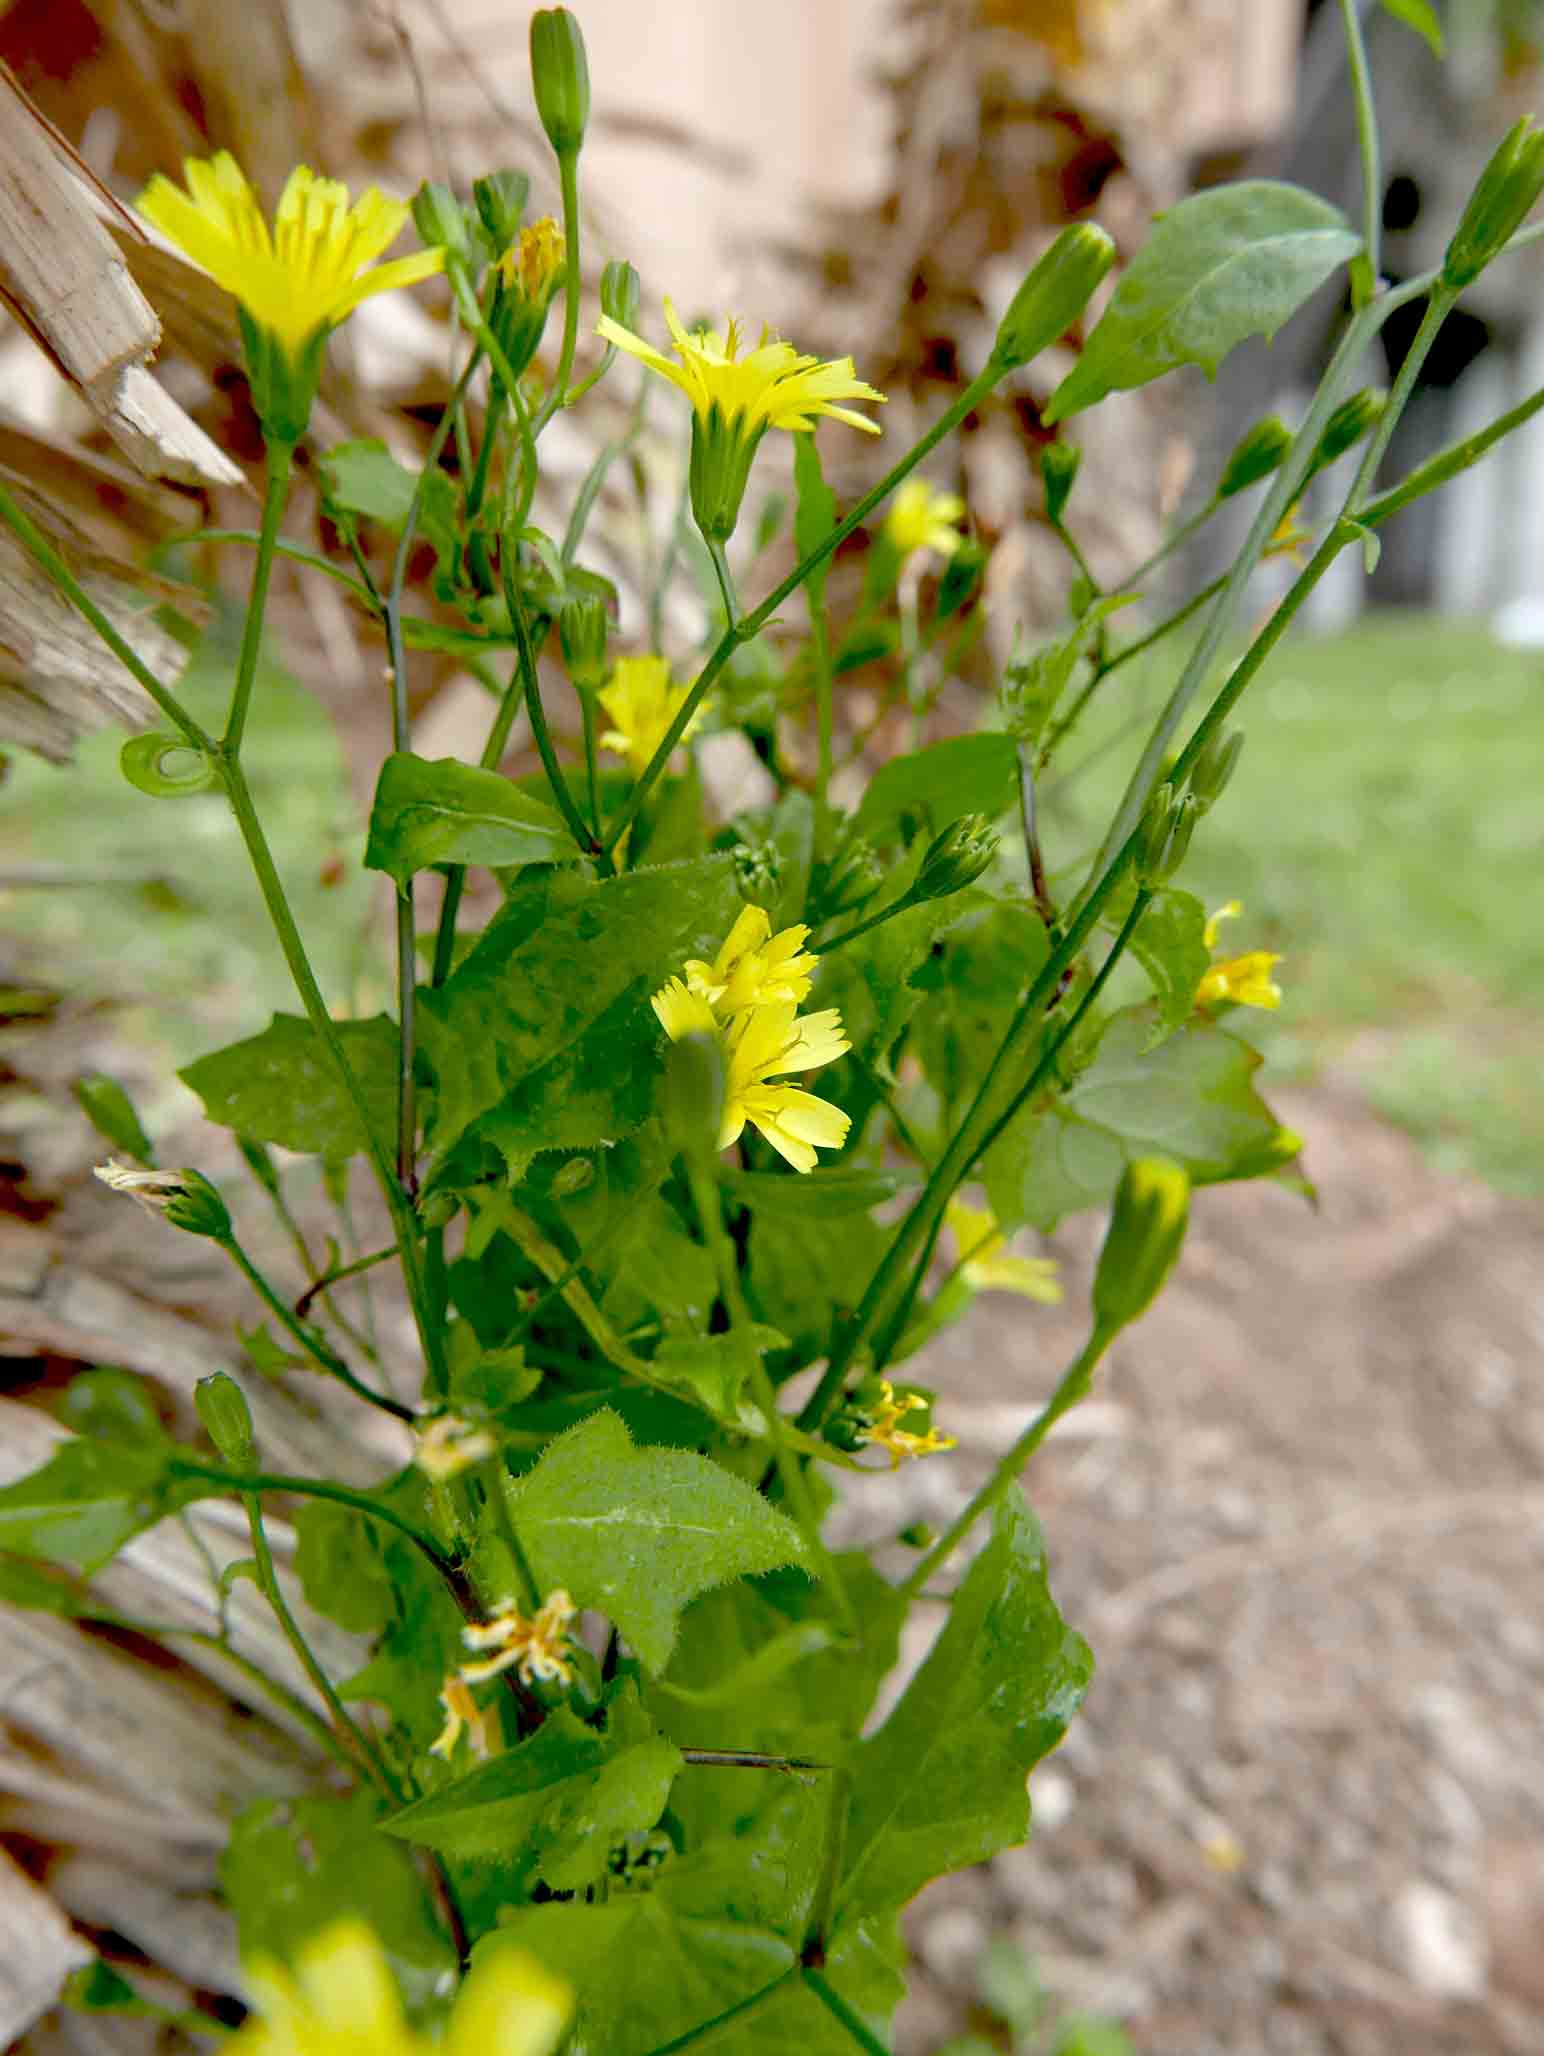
500, 202
956, 858
186, 1198
1147, 1228
1058, 473
560, 78
526, 277
758, 872
1351, 420
1054, 294
440, 219
222, 1407
851, 880
692, 1096
1499, 205
1214, 767
1255, 456
961, 576
1166, 831
619, 292
582, 624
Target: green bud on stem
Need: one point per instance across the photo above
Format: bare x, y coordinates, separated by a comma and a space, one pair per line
1509, 187
560, 78
1058, 474
1147, 1229
500, 202
583, 622
1255, 456
1166, 831
1054, 294
222, 1407
441, 220
1214, 767
620, 290
956, 858
1351, 421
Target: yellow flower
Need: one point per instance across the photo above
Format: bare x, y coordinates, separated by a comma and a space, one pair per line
534, 262
922, 519
340, 1999
1245, 980
979, 1244
535, 1647
449, 1444
753, 967
736, 399
1290, 538
463, 1715
885, 1432
642, 700
316, 265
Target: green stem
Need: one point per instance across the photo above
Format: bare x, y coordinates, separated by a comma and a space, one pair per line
839, 2009
63, 578
820, 662
319, 1488
588, 843
1371, 262
896, 906
725, 577
1171, 543
1440, 306
1074, 549
595, 477
309, 1340
281, 457
1074, 1386
752, 624
297, 553
591, 760
476, 492
1451, 462
328, 1279
568, 178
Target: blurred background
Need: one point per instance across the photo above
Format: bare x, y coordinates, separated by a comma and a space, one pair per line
1302, 1525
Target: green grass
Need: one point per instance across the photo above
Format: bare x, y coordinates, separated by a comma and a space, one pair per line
1385, 831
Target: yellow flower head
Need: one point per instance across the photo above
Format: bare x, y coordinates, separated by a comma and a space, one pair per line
767, 1043
341, 1999
886, 1433
535, 1647
736, 398
922, 519
315, 266
642, 701
980, 1247
1290, 539
754, 967
533, 263
463, 1716
1246, 981
449, 1444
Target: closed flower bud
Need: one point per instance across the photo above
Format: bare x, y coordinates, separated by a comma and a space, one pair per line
758, 872
582, 625
956, 858
500, 202
560, 78
1147, 1229
620, 291
961, 576
1499, 205
1058, 473
1256, 455
222, 1407
1214, 767
1166, 831
1054, 294
1351, 420
851, 880
441, 220
692, 1096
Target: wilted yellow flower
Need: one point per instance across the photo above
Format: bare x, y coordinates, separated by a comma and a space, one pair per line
463, 1716
921, 518
534, 261
886, 1433
315, 266
448, 1444
642, 701
535, 1646
980, 1247
754, 966
1245, 980
340, 1999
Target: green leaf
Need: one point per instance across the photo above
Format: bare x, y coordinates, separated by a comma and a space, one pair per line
1170, 945
879, 980
828, 1193
806, 1273
281, 1086
717, 1368
89, 1499
267, 1354
815, 516
638, 1533
941, 1785
557, 1802
294, 1866
1421, 16
548, 1020
363, 478
450, 813
1190, 1098
972, 986
922, 793
32, 1590
1233, 262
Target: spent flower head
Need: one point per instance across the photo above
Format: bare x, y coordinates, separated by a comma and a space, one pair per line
186, 1199
450, 1445
737, 395
463, 1716
537, 1647
881, 1426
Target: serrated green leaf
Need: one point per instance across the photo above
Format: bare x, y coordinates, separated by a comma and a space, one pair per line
281, 1087
1191, 1098
638, 1533
1421, 16
941, 1785
1170, 945
557, 1802
445, 812
922, 793
1229, 263
828, 1193
89, 1499
547, 1022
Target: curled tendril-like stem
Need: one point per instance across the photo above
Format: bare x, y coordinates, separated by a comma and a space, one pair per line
166, 766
